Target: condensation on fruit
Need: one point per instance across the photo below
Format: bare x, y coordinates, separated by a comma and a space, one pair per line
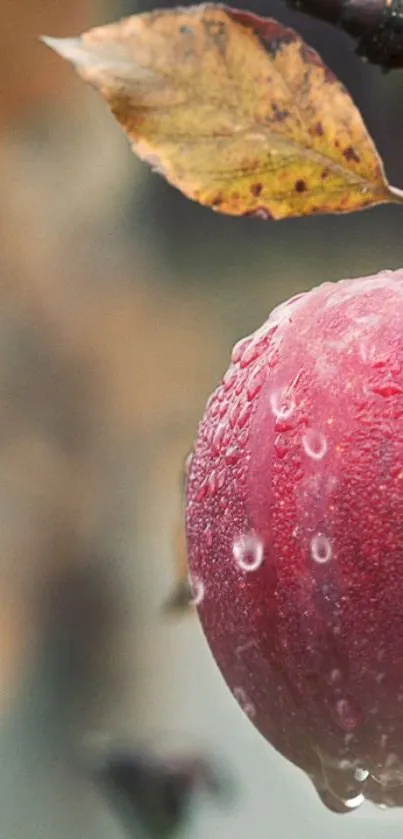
346, 715
282, 404
314, 444
243, 701
343, 783
321, 548
248, 552
196, 590
295, 528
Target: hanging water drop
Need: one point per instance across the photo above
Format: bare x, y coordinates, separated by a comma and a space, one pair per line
356, 801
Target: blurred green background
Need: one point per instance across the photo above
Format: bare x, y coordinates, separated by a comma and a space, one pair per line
120, 302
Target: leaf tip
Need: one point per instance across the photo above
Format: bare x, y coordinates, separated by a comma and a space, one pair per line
72, 49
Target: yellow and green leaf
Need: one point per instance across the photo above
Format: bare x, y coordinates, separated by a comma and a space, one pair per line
234, 110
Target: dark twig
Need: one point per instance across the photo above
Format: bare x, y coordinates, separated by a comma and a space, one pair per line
376, 25
153, 793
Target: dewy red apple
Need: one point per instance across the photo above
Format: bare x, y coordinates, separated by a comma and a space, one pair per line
295, 534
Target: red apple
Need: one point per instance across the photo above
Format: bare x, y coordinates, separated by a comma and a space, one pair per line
295, 534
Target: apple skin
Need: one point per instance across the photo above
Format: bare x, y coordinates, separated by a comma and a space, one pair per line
294, 525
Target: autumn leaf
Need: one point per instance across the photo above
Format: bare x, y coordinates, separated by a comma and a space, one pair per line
234, 110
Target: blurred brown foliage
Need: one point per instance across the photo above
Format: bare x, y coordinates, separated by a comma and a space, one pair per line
119, 302
28, 76
103, 372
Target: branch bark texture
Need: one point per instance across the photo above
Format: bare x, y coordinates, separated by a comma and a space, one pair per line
376, 25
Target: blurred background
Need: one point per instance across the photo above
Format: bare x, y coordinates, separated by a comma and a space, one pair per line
120, 302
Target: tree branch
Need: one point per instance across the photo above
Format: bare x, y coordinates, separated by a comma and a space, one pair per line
376, 25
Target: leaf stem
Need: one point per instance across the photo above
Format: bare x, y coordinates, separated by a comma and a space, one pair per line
397, 194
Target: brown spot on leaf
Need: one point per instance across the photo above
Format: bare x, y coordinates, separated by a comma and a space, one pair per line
256, 189
275, 46
217, 201
350, 154
272, 35
265, 27
300, 186
319, 129
325, 174
216, 31
312, 58
278, 113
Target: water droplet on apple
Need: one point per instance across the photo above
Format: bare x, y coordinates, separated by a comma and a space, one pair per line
250, 354
202, 492
232, 455
335, 676
218, 437
321, 549
254, 384
244, 702
229, 379
314, 444
239, 349
346, 714
211, 484
282, 404
387, 388
197, 591
356, 801
248, 552
244, 414
208, 535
